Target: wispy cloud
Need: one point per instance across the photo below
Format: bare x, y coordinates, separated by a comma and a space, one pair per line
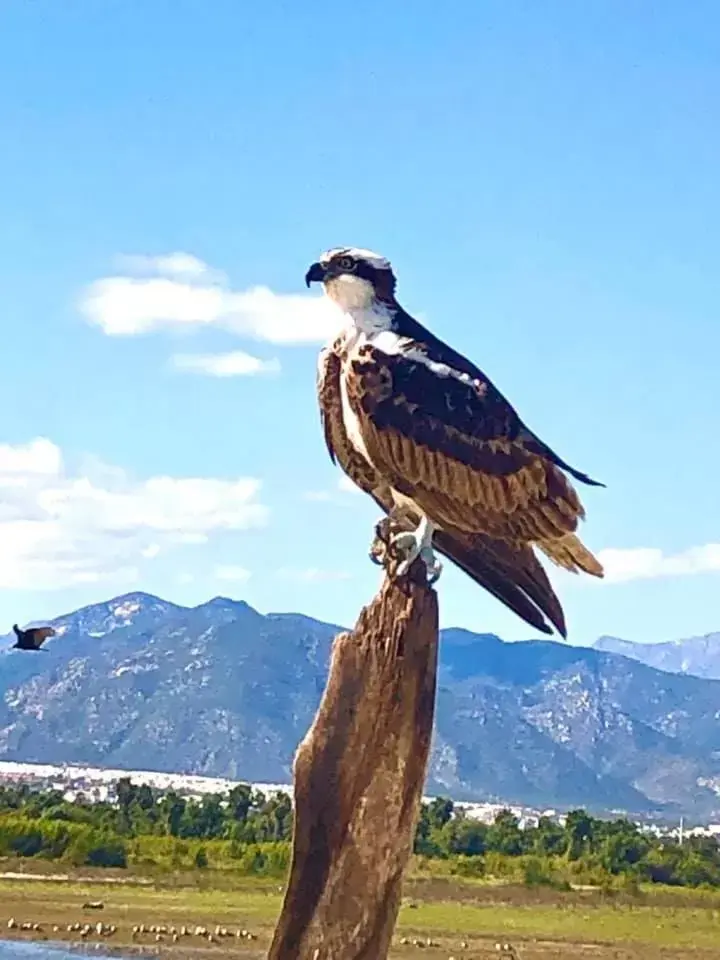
177, 264
236, 363
179, 290
645, 563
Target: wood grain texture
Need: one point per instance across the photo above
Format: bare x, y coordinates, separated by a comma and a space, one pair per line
359, 776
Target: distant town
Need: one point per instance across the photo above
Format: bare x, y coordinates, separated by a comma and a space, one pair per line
98, 784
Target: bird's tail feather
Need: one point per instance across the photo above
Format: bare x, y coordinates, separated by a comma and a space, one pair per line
571, 553
512, 574
538, 446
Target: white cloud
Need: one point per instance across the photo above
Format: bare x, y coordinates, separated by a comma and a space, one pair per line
312, 575
187, 293
59, 528
233, 364
172, 264
643, 563
37, 458
232, 573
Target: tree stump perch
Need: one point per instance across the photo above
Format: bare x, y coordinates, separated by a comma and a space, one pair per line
359, 775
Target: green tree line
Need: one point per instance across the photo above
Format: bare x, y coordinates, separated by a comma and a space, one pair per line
585, 849
246, 830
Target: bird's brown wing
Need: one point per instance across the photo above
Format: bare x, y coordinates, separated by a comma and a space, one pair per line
39, 635
331, 417
329, 400
513, 575
457, 447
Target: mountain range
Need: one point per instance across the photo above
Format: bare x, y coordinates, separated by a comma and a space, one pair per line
698, 656
223, 690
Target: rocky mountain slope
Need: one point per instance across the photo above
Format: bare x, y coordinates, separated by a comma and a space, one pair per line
220, 689
698, 656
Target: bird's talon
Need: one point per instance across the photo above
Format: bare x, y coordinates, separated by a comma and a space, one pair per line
404, 548
405, 542
403, 568
433, 571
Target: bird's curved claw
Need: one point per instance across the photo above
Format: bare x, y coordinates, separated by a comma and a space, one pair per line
417, 544
378, 552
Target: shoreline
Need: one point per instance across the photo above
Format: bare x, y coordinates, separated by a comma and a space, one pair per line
182, 948
83, 947
438, 920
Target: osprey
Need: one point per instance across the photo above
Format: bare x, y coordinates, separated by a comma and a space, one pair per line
422, 430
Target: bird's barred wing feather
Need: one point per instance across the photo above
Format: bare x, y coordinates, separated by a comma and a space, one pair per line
331, 418
328, 397
511, 573
459, 448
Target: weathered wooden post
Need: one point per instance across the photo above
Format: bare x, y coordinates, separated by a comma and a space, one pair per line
359, 775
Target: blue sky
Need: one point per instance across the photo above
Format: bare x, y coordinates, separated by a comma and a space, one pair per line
544, 179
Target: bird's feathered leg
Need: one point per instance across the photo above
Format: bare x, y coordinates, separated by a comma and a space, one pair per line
417, 543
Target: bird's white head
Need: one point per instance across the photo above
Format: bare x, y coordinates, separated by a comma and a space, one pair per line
357, 280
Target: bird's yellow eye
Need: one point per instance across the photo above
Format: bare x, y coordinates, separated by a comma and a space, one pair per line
346, 263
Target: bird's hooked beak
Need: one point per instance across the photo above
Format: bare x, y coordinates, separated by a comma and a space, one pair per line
316, 274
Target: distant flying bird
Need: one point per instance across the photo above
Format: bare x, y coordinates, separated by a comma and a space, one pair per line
425, 433
31, 639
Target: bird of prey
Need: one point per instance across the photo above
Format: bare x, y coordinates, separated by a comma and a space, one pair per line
425, 432
31, 639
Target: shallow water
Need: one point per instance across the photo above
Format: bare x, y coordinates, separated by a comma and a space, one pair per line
19, 950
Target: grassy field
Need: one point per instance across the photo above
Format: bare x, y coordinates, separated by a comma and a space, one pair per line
461, 920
